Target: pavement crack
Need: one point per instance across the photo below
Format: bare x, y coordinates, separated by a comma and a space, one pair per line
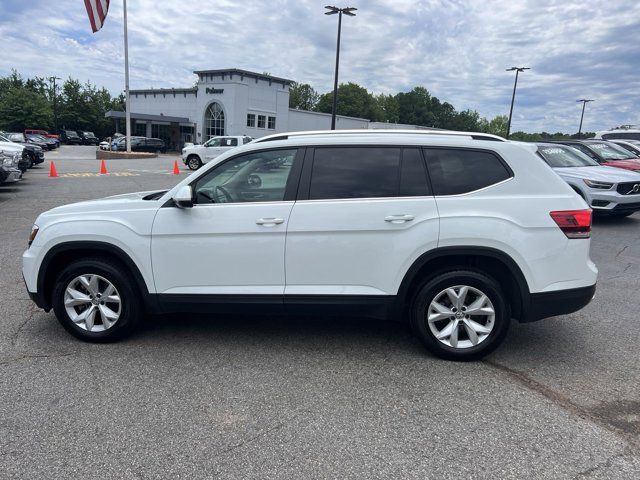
562, 401
621, 251
19, 358
605, 464
31, 314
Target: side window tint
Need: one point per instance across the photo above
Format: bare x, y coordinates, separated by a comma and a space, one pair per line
456, 171
355, 172
413, 177
255, 177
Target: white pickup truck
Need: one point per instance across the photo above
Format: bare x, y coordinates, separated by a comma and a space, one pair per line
194, 156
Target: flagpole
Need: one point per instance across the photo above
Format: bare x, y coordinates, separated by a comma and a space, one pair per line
126, 80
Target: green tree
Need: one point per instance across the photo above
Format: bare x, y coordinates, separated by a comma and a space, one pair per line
389, 108
22, 108
496, 126
303, 96
353, 101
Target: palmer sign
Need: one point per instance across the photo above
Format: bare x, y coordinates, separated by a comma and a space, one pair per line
214, 90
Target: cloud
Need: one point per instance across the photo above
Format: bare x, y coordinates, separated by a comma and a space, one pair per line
457, 49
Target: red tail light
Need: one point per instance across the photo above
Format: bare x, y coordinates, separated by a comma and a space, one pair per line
574, 223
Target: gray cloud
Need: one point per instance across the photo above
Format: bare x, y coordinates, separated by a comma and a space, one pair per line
457, 49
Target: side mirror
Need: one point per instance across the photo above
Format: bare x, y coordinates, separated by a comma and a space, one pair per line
183, 198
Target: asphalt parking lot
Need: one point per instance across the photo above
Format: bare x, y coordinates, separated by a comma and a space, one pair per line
204, 397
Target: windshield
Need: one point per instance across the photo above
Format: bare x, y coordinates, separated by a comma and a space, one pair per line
4, 139
37, 137
610, 152
563, 157
88, 134
71, 133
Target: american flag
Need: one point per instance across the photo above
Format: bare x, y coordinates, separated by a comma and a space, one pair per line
97, 11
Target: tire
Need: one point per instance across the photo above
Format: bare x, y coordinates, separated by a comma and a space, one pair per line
489, 330
194, 162
128, 309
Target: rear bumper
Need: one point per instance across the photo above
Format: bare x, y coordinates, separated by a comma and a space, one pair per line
559, 302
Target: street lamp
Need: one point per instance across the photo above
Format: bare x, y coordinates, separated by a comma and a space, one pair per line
513, 96
55, 103
584, 104
332, 11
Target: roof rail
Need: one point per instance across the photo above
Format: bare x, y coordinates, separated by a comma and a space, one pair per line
319, 133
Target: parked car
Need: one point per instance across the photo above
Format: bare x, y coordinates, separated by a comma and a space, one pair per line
632, 146
10, 149
34, 154
43, 142
70, 137
455, 233
194, 156
9, 171
139, 144
619, 134
608, 190
44, 133
605, 153
88, 138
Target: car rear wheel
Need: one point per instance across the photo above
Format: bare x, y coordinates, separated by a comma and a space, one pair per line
194, 162
95, 300
460, 315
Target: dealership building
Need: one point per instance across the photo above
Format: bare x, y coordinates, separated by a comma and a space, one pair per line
225, 102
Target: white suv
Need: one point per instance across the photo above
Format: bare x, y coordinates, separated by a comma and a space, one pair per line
456, 233
194, 156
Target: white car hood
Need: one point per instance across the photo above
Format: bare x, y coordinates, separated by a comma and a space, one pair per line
127, 201
605, 174
11, 147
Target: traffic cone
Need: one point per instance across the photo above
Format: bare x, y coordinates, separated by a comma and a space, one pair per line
103, 168
52, 169
176, 170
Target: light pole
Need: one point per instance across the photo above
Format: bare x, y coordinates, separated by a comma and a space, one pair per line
584, 104
332, 11
513, 96
55, 103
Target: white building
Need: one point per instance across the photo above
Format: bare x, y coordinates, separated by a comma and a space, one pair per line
225, 102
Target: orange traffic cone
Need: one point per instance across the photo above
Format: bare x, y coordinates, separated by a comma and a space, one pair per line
103, 168
176, 170
52, 169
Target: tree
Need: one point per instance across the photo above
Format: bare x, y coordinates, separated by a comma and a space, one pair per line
21, 108
496, 126
389, 108
303, 96
353, 101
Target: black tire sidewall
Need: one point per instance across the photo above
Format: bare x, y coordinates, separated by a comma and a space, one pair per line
130, 306
191, 159
437, 284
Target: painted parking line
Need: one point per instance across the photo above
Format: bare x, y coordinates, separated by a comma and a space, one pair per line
89, 174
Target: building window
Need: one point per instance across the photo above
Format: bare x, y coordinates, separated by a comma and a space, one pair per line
272, 123
251, 120
214, 121
261, 121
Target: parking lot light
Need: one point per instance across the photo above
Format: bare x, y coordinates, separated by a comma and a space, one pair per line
584, 103
332, 11
513, 96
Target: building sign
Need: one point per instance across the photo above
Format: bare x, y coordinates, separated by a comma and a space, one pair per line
214, 90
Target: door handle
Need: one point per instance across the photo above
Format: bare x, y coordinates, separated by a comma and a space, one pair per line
269, 222
398, 218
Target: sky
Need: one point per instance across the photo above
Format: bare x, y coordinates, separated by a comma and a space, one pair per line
457, 49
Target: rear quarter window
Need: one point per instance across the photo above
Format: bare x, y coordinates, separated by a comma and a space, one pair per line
458, 171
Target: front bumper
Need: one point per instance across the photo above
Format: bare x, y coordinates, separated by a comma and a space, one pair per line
610, 201
557, 302
13, 175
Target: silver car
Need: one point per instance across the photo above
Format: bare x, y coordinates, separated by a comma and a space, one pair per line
608, 190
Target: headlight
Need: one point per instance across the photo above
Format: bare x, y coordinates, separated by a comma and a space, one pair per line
34, 232
598, 184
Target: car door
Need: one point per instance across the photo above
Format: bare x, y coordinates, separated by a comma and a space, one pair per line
231, 242
363, 215
212, 149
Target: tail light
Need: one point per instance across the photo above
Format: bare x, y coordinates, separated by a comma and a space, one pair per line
574, 223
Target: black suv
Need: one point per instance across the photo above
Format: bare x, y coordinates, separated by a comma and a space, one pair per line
140, 144
70, 137
88, 138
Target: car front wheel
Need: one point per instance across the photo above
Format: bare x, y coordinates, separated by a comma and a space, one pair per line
95, 300
460, 315
193, 162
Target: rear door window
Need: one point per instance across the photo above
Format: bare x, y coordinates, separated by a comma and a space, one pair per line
458, 171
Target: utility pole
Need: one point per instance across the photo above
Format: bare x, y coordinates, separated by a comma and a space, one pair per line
332, 11
126, 82
55, 103
513, 96
584, 104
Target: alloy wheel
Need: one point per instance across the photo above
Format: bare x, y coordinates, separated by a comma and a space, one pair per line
461, 316
92, 303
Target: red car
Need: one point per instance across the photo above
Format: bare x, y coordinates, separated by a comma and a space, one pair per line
44, 133
606, 153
